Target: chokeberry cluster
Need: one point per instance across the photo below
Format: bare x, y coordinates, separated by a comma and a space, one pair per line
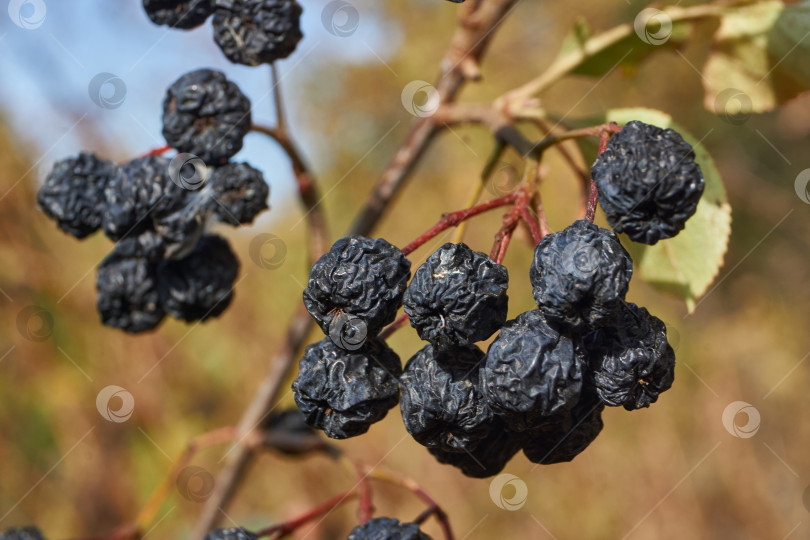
544, 381
159, 210
249, 32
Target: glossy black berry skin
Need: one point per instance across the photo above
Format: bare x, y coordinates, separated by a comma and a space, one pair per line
199, 286
181, 14
253, 32
488, 458
457, 297
532, 372
73, 193
442, 402
648, 181
345, 392
127, 288
206, 115
362, 277
383, 528
239, 193
237, 533
22, 533
580, 276
632, 361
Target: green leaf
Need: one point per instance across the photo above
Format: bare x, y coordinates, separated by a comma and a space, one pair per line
687, 264
759, 59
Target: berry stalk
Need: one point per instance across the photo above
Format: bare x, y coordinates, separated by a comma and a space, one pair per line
283, 529
604, 138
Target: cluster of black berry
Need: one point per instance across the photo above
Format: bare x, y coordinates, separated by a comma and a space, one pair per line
158, 210
249, 32
22, 533
381, 528
546, 378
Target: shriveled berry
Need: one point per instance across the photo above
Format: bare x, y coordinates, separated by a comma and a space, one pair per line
199, 286
648, 181
442, 402
361, 277
488, 458
239, 193
207, 115
580, 275
383, 528
236, 533
182, 14
253, 32
22, 533
344, 392
286, 431
457, 297
532, 372
73, 193
632, 361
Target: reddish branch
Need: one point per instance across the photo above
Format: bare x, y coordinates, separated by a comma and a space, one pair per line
159, 151
288, 527
604, 136
401, 321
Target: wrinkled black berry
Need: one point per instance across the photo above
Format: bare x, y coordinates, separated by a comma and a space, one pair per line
457, 297
182, 14
532, 372
239, 193
207, 115
383, 528
237, 533
344, 392
488, 458
648, 182
580, 275
134, 193
73, 193
632, 362
199, 286
361, 277
253, 32
22, 533
442, 402
128, 296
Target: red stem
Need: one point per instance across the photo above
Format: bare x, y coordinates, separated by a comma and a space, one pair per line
593, 199
283, 529
366, 509
159, 151
400, 321
534, 226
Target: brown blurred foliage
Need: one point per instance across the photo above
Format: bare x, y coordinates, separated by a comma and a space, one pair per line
671, 471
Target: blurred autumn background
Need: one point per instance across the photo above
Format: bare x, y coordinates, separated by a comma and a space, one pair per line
671, 471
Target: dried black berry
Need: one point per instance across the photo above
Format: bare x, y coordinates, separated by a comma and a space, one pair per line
73, 193
632, 362
457, 297
207, 115
488, 458
532, 372
580, 275
344, 392
199, 286
361, 277
22, 533
237, 533
253, 32
127, 290
239, 193
442, 402
148, 245
648, 182
183, 14
383, 528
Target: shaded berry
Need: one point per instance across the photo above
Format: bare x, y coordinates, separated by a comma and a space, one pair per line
488, 458
648, 181
73, 193
207, 115
632, 362
253, 32
182, 14
457, 297
344, 392
383, 528
532, 372
239, 193
236, 533
22, 533
580, 275
361, 277
199, 286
